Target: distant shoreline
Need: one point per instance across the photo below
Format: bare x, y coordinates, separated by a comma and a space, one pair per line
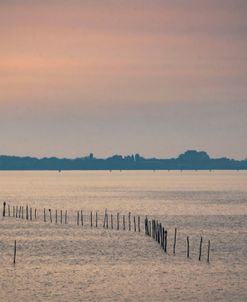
189, 160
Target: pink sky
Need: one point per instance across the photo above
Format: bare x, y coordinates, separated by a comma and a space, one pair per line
78, 66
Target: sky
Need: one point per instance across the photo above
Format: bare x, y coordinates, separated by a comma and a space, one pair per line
123, 77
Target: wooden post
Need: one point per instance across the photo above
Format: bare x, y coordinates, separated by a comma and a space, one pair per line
174, 242
56, 216
66, 217
78, 215
139, 224
129, 222
96, 219
111, 221
16, 211
81, 218
165, 247
188, 247
117, 221
8, 210
106, 219
26, 212
31, 214
50, 215
20, 212
91, 219
4, 206
124, 222
208, 251
44, 216
13, 211
163, 238
14, 251
35, 213
134, 224
200, 250
61, 216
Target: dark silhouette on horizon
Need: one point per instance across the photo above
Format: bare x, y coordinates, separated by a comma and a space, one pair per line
189, 160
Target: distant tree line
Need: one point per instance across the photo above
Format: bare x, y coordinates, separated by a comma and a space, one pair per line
190, 160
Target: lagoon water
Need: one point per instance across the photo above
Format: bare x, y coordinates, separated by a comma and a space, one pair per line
75, 263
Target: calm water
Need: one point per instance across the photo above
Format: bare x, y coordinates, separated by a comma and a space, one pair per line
71, 263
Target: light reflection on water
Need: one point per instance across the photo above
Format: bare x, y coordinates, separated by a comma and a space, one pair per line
71, 263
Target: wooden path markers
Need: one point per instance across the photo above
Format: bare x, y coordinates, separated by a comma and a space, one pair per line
134, 224
44, 216
8, 210
165, 244
56, 216
50, 215
124, 222
200, 250
129, 222
117, 221
4, 206
111, 221
175, 241
61, 216
96, 219
78, 217
91, 219
66, 217
81, 218
139, 224
14, 252
188, 247
208, 251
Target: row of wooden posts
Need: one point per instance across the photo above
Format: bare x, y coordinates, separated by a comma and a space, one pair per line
152, 228
155, 230
108, 221
20, 212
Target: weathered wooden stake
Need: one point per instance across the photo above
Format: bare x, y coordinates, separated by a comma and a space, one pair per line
106, 219
134, 224
117, 221
14, 251
26, 212
16, 211
66, 217
61, 216
200, 250
44, 216
188, 247
8, 210
175, 241
91, 219
81, 218
111, 221
208, 251
4, 205
139, 224
96, 219
165, 247
56, 216
31, 214
124, 222
20, 212
129, 222
13, 211
50, 215
78, 215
